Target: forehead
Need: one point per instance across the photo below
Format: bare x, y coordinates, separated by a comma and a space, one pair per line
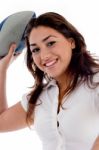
41, 32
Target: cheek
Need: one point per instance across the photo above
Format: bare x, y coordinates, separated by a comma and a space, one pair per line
70, 55
67, 59
67, 55
37, 62
35, 59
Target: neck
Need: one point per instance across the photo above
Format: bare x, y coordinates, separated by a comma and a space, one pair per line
62, 83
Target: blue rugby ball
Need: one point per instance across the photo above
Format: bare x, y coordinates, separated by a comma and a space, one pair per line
12, 31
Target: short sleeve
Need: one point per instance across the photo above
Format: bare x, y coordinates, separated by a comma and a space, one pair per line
97, 98
96, 93
24, 102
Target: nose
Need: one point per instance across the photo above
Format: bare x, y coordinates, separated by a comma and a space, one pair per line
45, 54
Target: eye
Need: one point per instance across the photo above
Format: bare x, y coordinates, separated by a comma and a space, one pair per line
51, 43
35, 50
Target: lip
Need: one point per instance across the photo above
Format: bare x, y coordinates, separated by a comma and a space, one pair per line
51, 63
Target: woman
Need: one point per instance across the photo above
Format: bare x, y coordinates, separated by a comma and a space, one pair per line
63, 105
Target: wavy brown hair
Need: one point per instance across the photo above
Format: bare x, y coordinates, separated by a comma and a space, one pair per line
82, 66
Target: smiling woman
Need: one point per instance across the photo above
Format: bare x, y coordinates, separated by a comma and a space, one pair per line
51, 51
63, 105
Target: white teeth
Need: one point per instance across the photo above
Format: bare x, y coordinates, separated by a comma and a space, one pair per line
50, 63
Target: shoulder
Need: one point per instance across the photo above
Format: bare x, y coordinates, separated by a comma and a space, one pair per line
96, 91
96, 80
96, 77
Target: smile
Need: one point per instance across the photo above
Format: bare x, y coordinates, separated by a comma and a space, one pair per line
51, 63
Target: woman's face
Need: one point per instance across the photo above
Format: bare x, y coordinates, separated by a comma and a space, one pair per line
51, 51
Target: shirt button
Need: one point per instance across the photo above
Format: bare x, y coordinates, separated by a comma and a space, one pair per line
57, 123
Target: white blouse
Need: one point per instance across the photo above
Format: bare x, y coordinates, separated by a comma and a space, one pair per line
76, 126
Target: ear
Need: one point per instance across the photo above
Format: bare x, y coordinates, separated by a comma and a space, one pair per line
72, 41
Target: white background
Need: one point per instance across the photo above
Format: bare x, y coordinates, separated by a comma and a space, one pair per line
84, 15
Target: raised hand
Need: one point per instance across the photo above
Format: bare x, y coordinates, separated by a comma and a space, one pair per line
6, 61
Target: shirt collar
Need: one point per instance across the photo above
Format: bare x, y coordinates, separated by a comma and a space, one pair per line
51, 83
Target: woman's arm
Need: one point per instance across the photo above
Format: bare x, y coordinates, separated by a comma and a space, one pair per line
96, 144
12, 118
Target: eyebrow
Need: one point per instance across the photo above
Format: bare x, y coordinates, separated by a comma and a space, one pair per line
46, 38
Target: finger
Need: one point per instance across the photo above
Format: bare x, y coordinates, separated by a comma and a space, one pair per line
1, 57
12, 49
17, 53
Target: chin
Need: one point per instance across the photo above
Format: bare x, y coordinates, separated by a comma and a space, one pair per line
54, 76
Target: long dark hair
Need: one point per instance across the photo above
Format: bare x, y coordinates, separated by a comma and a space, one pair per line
82, 66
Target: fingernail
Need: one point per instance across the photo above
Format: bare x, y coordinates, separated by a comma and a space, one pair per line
14, 47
